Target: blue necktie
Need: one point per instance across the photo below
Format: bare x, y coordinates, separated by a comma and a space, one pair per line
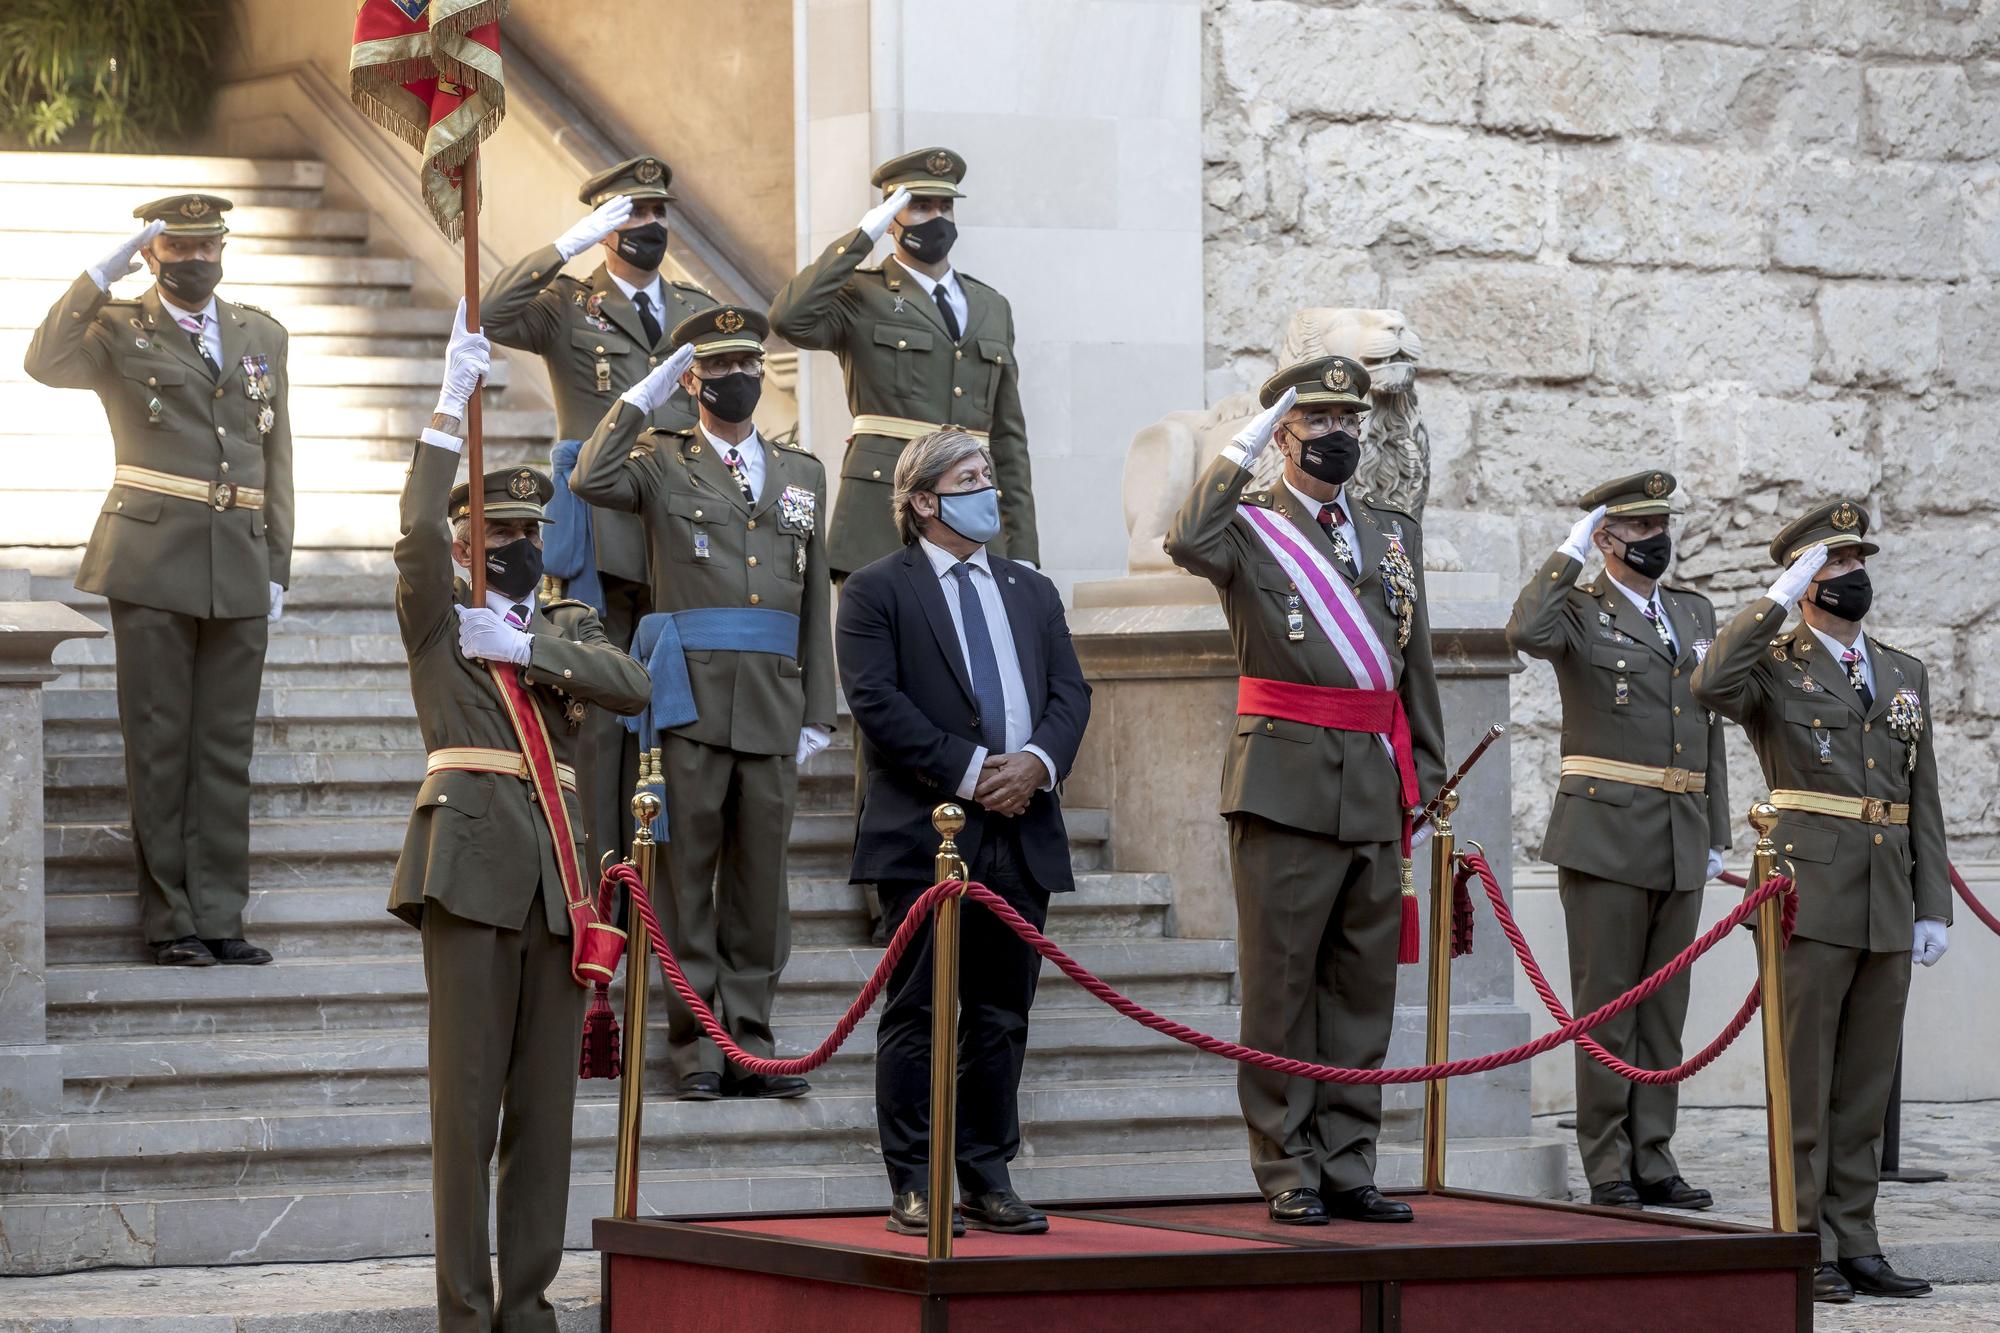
985, 666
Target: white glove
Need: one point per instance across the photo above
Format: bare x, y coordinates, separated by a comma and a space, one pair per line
811, 741
1714, 863
661, 381
1249, 442
606, 218
1792, 584
277, 603
1930, 944
485, 633
877, 219
1577, 544
123, 262
468, 358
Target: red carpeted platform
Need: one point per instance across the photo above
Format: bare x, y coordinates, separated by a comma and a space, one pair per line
1469, 1262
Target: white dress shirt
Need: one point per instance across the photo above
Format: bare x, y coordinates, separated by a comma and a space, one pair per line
655, 291
1643, 602
952, 293
1345, 527
1013, 687
751, 454
211, 332
1840, 650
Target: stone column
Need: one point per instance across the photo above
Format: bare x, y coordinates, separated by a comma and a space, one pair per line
30, 1068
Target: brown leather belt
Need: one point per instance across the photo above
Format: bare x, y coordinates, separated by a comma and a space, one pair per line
1865, 809
1636, 775
217, 495
478, 759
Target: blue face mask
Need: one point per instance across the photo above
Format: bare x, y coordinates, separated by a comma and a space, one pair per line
973, 515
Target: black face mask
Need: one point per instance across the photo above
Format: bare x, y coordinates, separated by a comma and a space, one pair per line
190, 281
1848, 596
732, 397
514, 569
643, 247
1648, 558
931, 241
1330, 458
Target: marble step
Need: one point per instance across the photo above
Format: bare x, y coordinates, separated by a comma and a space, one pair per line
352, 920
280, 271
168, 172
331, 994
98, 229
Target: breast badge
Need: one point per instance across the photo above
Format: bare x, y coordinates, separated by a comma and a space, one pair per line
1701, 647
798, 507
1399, 585
1906, 724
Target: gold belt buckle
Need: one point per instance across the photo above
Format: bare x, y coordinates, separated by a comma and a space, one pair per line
1675, 779
221, 496
1874, 810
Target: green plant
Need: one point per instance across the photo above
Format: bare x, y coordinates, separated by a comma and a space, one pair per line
133, 72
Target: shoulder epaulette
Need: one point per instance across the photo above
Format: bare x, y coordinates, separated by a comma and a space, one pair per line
694, 287
556, 603
1590, 590
1391, 509
569, 278
798, 448
1884, 643
868, 268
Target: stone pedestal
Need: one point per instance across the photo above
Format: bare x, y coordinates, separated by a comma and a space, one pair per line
30, 1069
1158, 656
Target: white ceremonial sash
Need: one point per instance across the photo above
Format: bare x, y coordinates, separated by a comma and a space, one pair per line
1325, 593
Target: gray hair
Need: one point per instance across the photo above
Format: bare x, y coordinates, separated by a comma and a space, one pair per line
921, 468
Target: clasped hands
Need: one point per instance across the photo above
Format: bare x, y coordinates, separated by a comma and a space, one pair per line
1007, 782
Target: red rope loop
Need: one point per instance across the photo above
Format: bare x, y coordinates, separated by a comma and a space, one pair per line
1979, 909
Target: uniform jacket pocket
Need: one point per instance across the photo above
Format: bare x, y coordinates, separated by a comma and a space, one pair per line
139, 506
466, 794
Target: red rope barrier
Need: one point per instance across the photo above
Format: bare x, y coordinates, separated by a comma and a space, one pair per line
1979, 909
1654, 1077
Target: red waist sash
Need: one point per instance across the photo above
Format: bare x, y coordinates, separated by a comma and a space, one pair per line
1378, 711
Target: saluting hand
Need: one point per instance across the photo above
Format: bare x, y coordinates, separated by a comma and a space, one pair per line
1252, 439
661, 380
124, 262
1577, 544
877, 219
1792, 584
468, 359
606, 218
484, 633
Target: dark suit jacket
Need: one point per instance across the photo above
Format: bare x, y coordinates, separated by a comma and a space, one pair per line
911, 695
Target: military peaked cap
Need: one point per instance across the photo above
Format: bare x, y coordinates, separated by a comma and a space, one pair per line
187, 214
726, 328
639, 177
1335, 380
928, 171
511, 492
1833, 525
1634, 496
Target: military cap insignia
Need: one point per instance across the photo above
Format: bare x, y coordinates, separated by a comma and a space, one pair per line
647, 172
939, 162
1656, 485
1335, 377
729, 321
1845, 518
195, 207
522, 485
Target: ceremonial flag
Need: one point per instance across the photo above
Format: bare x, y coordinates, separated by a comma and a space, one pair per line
428, 71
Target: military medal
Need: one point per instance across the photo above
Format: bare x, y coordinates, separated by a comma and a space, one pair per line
1823, 740
266, 419
1906, 723
1295, 621
594, 313
700, 544
1621, 693
603, 375
1399, 585
1604, 617
153, 412
256, 378
797, 506
899, 304
1701, 647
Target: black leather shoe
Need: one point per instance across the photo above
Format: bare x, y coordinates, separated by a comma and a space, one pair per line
910, 1215
1002, 1210
1614, 1194
1830, 1287
1299, 1208
1871, 1276
1367, 1205
187, 951
699, 1087
1673, 1192
766, 1085
238, 951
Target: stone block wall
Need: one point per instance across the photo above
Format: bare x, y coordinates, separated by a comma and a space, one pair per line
1753, 241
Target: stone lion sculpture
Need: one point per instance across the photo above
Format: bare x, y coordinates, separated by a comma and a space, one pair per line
1167, 456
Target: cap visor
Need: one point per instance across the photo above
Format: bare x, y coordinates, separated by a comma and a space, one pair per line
925, 189
702, 350
1321, 397
1637, 508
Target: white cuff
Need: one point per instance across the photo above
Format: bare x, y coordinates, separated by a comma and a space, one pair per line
1234, 452
432, 435
969, 784
1571, 552
1047, 763
97, 277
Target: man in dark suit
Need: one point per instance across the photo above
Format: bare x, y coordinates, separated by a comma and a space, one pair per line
958, 667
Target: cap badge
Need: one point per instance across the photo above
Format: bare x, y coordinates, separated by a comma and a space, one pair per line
521, 485
1656, 486
195, 208
729, 321
1845, 518
939, 163
1335, 377
647, 172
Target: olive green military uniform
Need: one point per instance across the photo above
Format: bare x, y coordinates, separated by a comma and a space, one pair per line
731, 775
196, 528
1314, 817
1643, 771
1864, 875
906, 375
478, 876
590, 336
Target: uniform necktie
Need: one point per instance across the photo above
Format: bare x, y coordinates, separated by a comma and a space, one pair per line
1851, 659
194, 324
1331, 516
984, 665
647, 320
517, 616
734, 462
943, 300
1659, 625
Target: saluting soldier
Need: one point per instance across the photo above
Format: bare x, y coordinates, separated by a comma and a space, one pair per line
741, 650
1337, 719
1642, 771
599, 336
193, 551
923, 347
501, 690
1841, 723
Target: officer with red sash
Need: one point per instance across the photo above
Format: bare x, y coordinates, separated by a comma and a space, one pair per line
1338, 729
490, 870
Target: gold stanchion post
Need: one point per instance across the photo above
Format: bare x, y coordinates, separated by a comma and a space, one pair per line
638, 961
949, 821
1437, 1015
1771, 979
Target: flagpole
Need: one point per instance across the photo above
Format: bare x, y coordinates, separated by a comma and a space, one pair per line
475, 460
